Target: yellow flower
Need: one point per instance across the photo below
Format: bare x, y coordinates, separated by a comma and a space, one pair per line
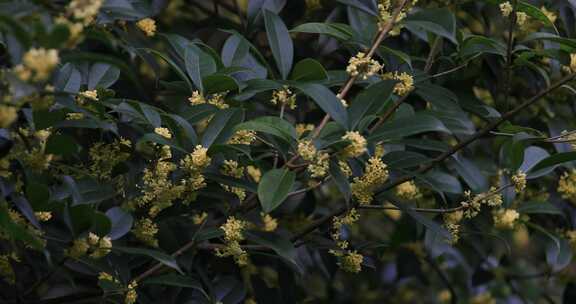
84, 10
567, 186
8, 114
145, 230
362, 66
550, 15
284, 97
74, 116
104, 276
93, 95
392, 212
408, 191
375, 175
198, 219
302, 128
351, 262
254, 173
519, 181
573, 63
233, 229
483, 298
196, 98
506, 8
79, 248
41, 62
571, 235
148, 26
521, 18
405, 82
242, 137
164, 132
43, 216
270, 223
105, 157
307, 150
357, 144
131, 295
233, 169
505, 218
6, 270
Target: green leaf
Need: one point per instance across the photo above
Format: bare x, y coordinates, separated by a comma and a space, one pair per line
72, 188
568, 43
539, 208
274, 188
340, 180
68, 79
553, 161
326, 100
369, 100
339, 31
221, 126
281, 246
61, 144
407, 126
479, 45
439, 21
280, 42
155, 254
176, 280
174, 66
271, 125
217, 83
309, 70
192, 64
102, 75
151, 115
121, 222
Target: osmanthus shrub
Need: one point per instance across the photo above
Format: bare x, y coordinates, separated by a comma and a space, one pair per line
273, 151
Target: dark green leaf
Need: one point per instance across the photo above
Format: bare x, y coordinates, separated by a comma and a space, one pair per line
155, 254
326, 100
280, 42
274, 188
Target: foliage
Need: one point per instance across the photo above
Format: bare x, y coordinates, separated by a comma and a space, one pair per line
273, 151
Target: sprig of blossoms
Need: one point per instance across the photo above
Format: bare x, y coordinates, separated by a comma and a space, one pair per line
385, 14
284, 97
519, 181
37, 64
91, 245
242, 137
216, 100
567, 186
8, 115
348, 260
375, 175
505, 218
405, 82
146, 230
362, 66
233, 169
452, 223
84, 10
105, 157
148, 26
131, 294
318, 160
233, 234
506, 8
357, 144
408, 191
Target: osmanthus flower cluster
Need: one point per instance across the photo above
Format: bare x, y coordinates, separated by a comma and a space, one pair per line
287, 151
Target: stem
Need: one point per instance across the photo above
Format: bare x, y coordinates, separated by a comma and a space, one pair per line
508, 66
